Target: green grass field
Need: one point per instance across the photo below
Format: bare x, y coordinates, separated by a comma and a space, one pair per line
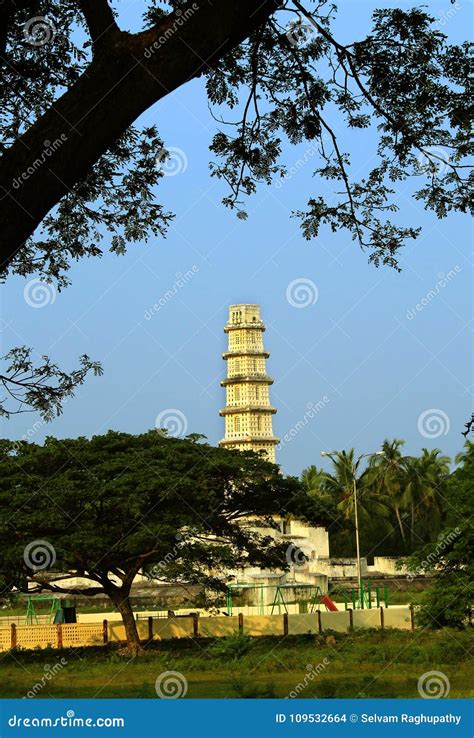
362, 664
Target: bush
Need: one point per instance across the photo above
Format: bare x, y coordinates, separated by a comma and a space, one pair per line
231, 648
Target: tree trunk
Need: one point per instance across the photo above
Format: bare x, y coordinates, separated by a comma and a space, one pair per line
400, 524
128, 74
412, 521
120, 597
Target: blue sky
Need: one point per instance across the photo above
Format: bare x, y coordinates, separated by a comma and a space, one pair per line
384, 371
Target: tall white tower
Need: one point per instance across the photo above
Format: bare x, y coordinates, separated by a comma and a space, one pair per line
248, 412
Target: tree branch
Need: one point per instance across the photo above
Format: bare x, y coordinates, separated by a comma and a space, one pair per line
100, 20
121, 83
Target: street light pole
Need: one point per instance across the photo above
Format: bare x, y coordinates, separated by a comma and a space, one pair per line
356, 513
356, 520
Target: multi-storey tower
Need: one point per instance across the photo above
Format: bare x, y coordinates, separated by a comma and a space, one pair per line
248, 413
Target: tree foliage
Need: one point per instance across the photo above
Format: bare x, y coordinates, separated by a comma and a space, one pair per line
450, 558
79, 177
401, 499
106, 508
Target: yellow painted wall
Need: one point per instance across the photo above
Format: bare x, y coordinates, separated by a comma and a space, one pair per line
397, 618
173, 628
367, 618
213, 627
117, 631
300, 624
338, 621
261, 625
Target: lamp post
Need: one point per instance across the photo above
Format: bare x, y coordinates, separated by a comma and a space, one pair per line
355, 464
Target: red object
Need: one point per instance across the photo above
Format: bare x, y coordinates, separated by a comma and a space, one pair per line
330, 605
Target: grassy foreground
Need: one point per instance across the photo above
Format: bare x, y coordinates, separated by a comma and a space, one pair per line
360, 664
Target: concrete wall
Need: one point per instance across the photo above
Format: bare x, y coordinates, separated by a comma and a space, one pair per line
303, 624
366, 618
89, 634
262, 625
386, 565
338, 621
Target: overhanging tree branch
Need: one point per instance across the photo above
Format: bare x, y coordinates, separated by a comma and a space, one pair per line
100, 20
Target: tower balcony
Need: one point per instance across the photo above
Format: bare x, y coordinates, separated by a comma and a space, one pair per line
249, 439
255, 324
246, 352
247, 378
232, 410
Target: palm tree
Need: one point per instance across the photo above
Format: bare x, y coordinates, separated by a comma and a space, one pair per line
387, 474
340, 484
425, 478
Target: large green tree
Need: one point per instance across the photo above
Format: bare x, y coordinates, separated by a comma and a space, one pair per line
78, 176
450, 558
106, 508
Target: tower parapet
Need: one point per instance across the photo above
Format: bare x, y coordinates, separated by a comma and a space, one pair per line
248, 412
